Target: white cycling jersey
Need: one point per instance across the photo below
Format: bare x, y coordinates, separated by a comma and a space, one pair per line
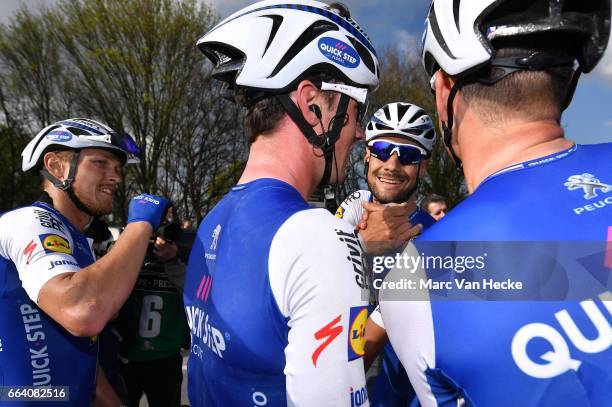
36, 244
273, 296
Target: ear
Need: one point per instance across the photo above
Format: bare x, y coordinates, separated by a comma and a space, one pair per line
424, 167
443, 86
304, 96
367, 155
54, 165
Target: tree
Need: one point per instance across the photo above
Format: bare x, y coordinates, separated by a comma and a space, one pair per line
16, 188
133, 65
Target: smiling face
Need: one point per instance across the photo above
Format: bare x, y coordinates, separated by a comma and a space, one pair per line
390, 181
97, 177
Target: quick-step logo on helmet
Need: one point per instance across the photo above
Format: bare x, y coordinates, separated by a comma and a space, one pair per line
60, 136
339, 52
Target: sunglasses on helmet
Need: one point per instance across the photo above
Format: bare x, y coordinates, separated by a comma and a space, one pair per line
122, 140
360, 95
408, 154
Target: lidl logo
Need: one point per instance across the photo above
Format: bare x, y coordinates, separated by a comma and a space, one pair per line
340, 212
356, 339
55, 244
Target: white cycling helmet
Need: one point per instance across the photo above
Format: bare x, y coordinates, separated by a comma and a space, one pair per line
403, 120
76, 134
273, 44
460, 36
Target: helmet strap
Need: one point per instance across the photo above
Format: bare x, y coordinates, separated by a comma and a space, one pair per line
572, 88
447, 127
325, 141
66, 185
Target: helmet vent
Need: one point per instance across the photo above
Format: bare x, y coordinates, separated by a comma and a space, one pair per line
417, 115
387, 113
77, 131
401, 110
380, 126
364, 54
310, 34
433, 23
276, 23
456, 4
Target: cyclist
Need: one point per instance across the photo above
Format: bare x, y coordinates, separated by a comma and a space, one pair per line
503, 72
273, 291
54, 298
399, 139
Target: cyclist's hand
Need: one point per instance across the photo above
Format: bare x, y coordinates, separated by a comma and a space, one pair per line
387, 226
147, 208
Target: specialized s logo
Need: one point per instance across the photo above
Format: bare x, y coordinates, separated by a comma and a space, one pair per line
29, 251
329, 332
558, 359
356, 338
588, 183
55, 244
339, 52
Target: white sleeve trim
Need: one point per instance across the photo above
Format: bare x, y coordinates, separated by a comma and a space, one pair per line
315, 286
409, 325
20, 241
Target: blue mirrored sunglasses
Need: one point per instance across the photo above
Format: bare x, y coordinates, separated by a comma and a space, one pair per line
408, 154
126, 143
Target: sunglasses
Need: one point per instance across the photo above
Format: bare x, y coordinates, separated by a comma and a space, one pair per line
122, 140
408, 154
360, 95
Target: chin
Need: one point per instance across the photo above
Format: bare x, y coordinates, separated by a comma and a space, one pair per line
98, 209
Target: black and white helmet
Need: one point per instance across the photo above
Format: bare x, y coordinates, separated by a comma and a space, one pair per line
403, 120
460, 35
273, 44
76, 134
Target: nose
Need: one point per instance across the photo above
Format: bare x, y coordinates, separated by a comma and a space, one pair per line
115, 174
359, 134
393, 161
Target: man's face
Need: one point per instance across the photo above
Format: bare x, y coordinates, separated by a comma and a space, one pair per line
437, 210
390, 181
97, 177
350, 133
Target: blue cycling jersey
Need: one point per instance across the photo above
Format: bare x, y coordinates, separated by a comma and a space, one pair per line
273, 296
519, 353
37, 243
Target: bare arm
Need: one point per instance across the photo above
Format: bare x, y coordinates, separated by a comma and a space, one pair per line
85, 301
375, 340
105, 395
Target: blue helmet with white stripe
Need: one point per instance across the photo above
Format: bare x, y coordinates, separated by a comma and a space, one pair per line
76, 134
273, 44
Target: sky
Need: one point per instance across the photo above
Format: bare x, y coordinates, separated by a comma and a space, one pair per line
400, 23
